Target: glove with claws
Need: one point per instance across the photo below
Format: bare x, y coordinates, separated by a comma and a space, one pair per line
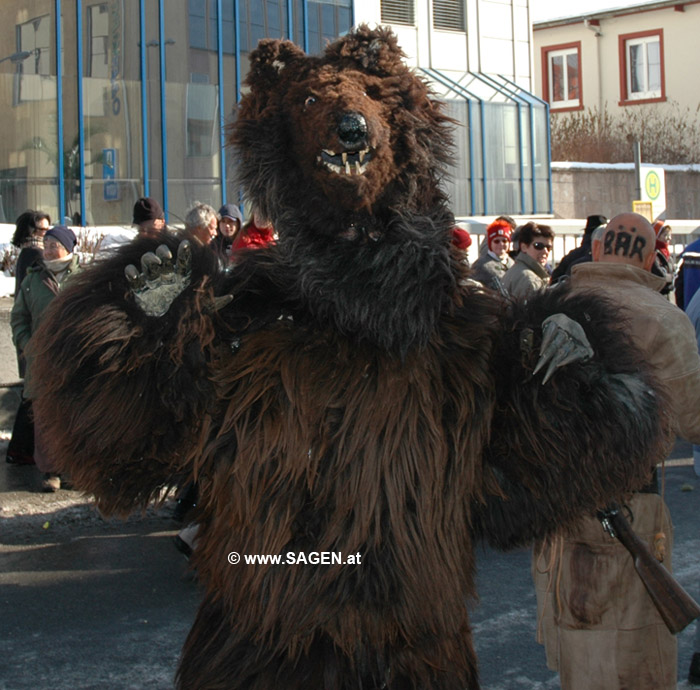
563, 342
160, 280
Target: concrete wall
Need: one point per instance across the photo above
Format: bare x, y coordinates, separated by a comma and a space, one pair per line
577, 193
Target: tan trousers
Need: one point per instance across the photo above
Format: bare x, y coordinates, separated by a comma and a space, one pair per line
600, 628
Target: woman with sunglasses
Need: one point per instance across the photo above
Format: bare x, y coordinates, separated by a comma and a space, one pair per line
529, 273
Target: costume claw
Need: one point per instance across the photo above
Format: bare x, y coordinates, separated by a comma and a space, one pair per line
150, 265
220, 302
133, 277
549, 333
159, 283
184, 258
563, 342
165, 256
553, 366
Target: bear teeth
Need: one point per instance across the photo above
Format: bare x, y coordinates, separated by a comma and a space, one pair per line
345, 163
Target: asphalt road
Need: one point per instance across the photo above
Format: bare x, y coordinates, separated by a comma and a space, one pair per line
90, 603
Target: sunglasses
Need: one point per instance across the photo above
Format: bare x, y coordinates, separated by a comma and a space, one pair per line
499, 240
539, 246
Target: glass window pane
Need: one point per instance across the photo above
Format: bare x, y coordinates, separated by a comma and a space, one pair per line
257, 22
274, 21
344, 19
257, 13
198, 32
328, 27
212, 40
315, 45
228, 37
636, 68
572, 76
113, 157
28, 147
196, 7
98, 30
654, 60
557, 63
243, 26
192, 123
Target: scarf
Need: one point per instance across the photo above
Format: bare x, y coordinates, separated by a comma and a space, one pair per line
663, 248
58, 266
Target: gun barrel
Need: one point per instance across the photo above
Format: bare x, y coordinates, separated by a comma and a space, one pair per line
677, 608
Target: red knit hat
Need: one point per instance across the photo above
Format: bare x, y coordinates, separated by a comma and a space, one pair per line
461, 238
659, 225
499, 228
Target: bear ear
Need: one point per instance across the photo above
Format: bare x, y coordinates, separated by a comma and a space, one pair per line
374, 50
269, 59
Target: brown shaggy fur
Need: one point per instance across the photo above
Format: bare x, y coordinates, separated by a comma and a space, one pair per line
346, 399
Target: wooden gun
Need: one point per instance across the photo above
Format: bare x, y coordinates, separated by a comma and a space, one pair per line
677, 608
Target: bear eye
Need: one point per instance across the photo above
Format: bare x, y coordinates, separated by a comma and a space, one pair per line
310, 100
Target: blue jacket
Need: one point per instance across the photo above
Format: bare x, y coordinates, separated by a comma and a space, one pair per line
688, 275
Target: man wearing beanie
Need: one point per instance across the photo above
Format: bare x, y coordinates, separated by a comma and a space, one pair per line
149, 218
490, 268
42, 283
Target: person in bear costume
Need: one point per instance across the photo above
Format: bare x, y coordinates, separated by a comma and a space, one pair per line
344, 391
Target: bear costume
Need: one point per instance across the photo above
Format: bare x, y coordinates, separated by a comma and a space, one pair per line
344, 391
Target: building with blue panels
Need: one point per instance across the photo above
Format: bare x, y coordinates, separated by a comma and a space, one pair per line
103, 101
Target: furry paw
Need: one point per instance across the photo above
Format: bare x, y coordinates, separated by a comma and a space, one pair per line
160, 281
563, 342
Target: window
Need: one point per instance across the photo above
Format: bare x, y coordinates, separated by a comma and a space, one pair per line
202, 104
641, 67
261, 19
33, 43
98, 35
398, 12
561, 76
327, 19
449, 14
202, 25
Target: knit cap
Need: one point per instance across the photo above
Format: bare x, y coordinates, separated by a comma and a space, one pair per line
146, 209
64, 235
461, 238
499, 228
659, 225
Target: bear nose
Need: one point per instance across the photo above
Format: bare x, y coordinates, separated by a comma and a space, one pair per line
352, 129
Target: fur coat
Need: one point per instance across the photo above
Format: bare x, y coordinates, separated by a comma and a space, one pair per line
345, 399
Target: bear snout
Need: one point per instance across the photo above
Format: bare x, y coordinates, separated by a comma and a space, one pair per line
352, 130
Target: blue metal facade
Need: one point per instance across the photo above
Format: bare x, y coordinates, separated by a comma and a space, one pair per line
103, 101
481, 179
95, 96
